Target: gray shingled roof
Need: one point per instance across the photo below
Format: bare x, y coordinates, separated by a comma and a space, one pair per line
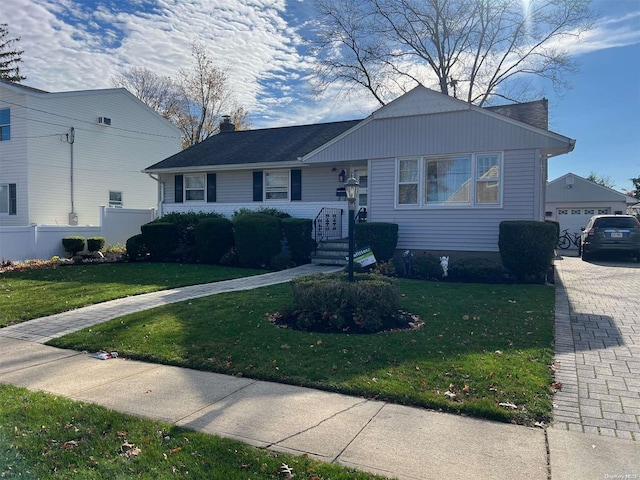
534, 113
251, 146
287, 144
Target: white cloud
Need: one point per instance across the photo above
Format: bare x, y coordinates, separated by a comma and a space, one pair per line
68, 47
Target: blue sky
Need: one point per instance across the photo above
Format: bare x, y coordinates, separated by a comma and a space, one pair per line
83, 44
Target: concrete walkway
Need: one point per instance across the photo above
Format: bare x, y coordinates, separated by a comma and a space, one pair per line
392, 440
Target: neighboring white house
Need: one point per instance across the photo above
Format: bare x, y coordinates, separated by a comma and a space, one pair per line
572, 200
64, 155
445, 171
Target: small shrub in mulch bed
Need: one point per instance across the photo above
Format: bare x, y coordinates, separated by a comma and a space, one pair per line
329, 303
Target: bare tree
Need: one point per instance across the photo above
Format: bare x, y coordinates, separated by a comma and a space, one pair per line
470, 49
195, 101
159, 93
10, 58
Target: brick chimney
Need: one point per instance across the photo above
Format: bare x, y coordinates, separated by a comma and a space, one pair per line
226, 125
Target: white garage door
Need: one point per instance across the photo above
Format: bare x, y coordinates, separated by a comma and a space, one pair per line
573, 219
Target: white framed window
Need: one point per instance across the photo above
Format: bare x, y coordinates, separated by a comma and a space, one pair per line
408, 173
115, 199
447, 180
276, 185
563, 211
604, 211
4, 198
576, 211
194, 188
471, 180
5, 125
589, 211
488, 179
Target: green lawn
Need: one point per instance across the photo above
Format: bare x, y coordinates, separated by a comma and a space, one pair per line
489, 344
36, 293
47, 437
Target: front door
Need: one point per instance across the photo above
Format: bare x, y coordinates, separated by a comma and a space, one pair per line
361, 174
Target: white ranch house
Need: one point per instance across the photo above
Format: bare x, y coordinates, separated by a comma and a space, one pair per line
445, 171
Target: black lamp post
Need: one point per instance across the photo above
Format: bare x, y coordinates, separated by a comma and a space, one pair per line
351, 189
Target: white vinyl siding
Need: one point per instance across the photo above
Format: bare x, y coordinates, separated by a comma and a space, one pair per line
38, 157
470, 180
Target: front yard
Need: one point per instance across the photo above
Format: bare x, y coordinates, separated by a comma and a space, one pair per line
485, 350
36, 293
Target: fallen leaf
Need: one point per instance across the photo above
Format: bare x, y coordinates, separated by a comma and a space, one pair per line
285, 346
450, 395
557, 385
510, 405
71, 444
319, 342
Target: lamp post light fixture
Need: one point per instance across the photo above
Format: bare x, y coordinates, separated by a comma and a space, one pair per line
351, 189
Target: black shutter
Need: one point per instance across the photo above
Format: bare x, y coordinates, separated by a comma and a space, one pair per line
13, 199
296, 185
257, 186
211, 187
178, 185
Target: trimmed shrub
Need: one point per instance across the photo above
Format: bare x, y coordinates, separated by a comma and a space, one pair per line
214, 237
527, 248
160, 239
426, 267
136, 249
476, 270
297, 231
73, 245
257, 238
557, 224
274, 212
186, 223
328, 303
381, 237
95, 244
230, 258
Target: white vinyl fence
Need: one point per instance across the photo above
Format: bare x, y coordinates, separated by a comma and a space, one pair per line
45, 241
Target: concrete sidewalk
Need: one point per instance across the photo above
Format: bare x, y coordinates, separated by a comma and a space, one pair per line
374, 436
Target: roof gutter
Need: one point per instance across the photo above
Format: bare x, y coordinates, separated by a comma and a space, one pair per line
220, 168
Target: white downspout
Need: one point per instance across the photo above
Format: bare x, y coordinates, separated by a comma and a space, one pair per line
160, 193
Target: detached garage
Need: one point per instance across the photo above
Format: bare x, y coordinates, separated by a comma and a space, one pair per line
572, 200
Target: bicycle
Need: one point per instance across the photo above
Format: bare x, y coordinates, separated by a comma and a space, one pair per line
566, 239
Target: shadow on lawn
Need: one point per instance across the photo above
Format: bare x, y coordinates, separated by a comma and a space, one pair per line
488, 343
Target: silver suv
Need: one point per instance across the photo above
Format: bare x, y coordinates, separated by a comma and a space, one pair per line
610, 233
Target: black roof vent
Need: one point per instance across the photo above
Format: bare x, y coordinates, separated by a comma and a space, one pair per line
226, 125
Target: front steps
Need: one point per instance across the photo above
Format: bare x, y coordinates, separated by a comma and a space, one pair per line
331, 252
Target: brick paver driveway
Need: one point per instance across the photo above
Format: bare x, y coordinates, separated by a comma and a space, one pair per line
598, 347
